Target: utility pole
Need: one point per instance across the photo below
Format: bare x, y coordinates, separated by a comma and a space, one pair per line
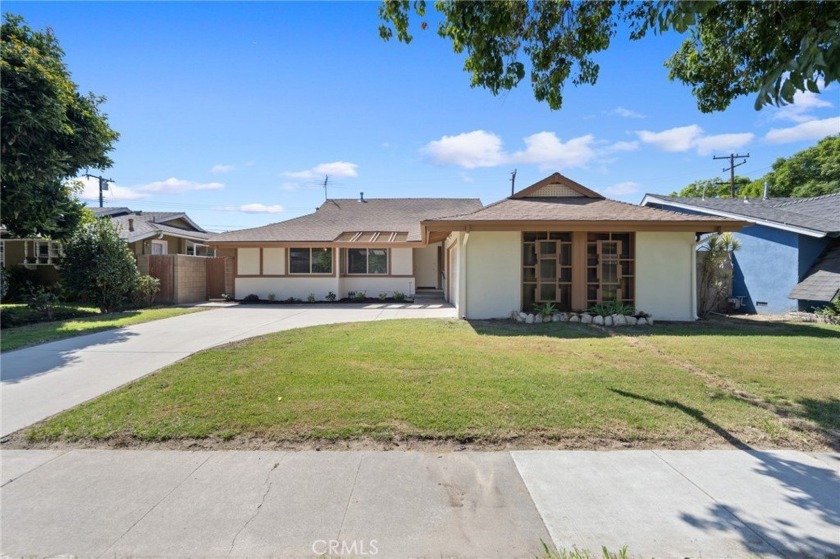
103, 185
731, 157
326, 180
512, 181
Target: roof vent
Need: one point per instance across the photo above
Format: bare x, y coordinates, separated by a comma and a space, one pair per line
130, 224
361, 197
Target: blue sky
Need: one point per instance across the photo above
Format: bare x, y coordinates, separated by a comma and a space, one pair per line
234, 112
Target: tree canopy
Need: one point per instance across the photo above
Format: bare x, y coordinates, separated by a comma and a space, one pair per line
49, 132
733, 48
814, 171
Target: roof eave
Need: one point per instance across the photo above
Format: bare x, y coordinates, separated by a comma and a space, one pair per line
750, 220
697, 226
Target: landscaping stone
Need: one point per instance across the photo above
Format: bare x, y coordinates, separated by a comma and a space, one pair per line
619, 320
642, 321
523, 315
608, 320
564, 317
598, 320
650, 321
631, 320
529, 319
574, 318
555, 318
586, 318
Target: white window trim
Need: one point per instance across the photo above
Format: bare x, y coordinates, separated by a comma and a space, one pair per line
367, 271
164, 244
310, 272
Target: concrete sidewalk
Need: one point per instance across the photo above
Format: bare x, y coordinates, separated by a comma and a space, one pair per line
41, 381
91, 503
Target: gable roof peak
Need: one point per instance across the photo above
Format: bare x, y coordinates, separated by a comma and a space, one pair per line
557, 186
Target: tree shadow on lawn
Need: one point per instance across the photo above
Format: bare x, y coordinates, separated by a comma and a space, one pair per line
807, 487
718, 327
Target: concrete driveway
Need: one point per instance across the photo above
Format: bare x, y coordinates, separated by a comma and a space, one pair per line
135, 503
41, 381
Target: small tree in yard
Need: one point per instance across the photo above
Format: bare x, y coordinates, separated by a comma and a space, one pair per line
98, 264
715, 271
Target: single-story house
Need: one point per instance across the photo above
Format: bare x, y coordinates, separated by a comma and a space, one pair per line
555, 241
158, 232
789, 258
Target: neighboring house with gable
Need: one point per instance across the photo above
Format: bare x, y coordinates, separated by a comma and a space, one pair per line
158, 232
40, 256
553, 242
789, 258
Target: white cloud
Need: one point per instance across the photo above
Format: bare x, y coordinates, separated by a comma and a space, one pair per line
479, 148
804, 102
222, 168
811, 130
620, 146
469, 150
115, 192
261, 209
336, 169
686, 138
673, 139
466, 177
250, 163
626, 113
547, 150
290, 186
622, 189
721, 142
178, 186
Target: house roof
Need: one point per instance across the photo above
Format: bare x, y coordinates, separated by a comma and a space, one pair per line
337, 218
152, 224
818, 216
558, 199
822, 282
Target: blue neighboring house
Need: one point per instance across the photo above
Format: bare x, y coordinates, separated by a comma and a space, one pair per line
789, 258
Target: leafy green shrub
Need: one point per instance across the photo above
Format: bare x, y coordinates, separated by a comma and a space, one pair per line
4, 283
830, 312
44, 302
272, 297
145, 290
99, 264
545, 309
330, 297
311, 298
399, 296
251, 298
383, 296
22, 281
359, 296
608, 308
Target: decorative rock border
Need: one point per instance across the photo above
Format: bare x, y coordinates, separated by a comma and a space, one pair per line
641, 319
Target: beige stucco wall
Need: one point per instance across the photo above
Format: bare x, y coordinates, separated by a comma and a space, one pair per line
274, 261
402, 262
283, 288
248, 261
493, 274
373, 286
664, 275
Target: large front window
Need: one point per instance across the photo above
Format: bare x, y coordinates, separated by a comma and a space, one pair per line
367, 261
310, 261
548, 269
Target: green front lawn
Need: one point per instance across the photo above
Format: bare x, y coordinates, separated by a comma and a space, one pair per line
23, 336
492, 382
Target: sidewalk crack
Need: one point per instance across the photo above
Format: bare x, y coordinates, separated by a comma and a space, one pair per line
267, 483
350, 499
162, 499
